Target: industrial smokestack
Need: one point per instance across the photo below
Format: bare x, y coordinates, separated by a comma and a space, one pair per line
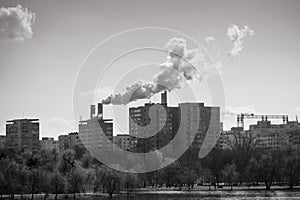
100, 109
164, 98
93, 111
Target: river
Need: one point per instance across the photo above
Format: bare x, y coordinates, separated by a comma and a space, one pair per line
213, 195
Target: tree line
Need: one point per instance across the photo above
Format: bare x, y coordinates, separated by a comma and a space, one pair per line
73, 172
51, 172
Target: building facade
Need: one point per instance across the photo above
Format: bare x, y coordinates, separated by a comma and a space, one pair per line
122, 141
22, 135
199, 123
274, 136
2, 141
156, 123
48, 144
264, 135
69, 141
96, 133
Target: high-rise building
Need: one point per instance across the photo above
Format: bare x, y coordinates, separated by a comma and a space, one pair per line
166, 120
48, 143
158, 121
22, 135
93, 131
209, 127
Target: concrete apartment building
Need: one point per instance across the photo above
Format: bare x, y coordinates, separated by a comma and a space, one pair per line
22, 135
274, 136
2, 141
209, 128
48, 144
294, 138
229, 138
96, 133
209, 125
122, 141
163, 127
69, 141
265, 135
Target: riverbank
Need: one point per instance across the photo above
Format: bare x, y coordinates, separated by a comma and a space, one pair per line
206, 188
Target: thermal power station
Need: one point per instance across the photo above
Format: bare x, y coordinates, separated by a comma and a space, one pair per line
157, 123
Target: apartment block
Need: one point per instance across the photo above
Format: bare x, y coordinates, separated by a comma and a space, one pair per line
48, 143
22, 135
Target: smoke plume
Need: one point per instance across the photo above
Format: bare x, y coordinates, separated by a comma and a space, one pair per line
16, 23
237, 37
182, 65
179, 67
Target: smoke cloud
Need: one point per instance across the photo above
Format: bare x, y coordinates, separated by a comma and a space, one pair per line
238, 37
179, 67
16, 23
182, 65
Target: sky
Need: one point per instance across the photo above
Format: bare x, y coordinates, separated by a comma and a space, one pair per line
38, 67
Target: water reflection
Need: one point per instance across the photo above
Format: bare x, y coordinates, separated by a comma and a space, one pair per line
213, 195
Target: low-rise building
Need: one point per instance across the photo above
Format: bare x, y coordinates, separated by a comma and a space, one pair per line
48, 143
69, 141
274, 136
2, 141
122, 141
264, 135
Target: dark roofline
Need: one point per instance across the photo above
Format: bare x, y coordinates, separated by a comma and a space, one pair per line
24, 119
122, 135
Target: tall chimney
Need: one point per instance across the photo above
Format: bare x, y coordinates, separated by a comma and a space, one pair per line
93, 111
100, 109
164, 98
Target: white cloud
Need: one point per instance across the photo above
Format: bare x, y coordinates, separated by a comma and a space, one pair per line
16, 23
238, 37
210, 39
229, 110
